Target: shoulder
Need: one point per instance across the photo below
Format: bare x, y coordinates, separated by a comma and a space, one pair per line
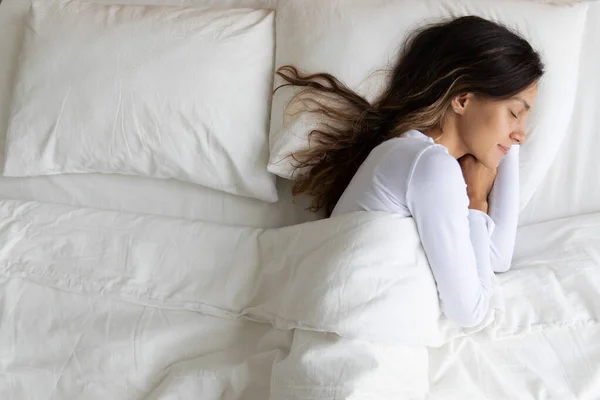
417, 151
399, 155
413, 156
434, 163
435, 173
406, 146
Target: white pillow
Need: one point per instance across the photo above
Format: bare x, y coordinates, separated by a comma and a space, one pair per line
164, 92
354, 39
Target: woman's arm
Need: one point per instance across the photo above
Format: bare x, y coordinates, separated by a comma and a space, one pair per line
456, 239
504, 211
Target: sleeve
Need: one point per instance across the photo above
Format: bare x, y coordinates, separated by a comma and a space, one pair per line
456, 240
504, 211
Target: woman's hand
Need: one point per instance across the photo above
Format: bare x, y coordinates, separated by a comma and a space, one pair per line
479, 179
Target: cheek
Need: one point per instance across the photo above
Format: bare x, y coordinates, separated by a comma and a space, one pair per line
499, 126
484, 129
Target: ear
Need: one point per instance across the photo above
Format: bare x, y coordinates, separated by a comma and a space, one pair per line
459, 103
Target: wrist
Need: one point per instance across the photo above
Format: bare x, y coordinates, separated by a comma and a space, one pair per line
477, 204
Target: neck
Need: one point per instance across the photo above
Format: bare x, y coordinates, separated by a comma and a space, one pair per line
448, 137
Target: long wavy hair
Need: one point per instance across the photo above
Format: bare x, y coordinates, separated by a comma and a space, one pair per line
465, 55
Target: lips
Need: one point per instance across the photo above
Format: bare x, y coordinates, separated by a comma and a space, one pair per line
504, 149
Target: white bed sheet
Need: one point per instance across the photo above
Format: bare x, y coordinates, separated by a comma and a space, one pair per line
158, 197
126, 193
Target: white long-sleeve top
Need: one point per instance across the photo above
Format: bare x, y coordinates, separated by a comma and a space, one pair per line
413, 176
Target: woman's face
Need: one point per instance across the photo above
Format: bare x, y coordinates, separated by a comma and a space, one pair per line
488, 128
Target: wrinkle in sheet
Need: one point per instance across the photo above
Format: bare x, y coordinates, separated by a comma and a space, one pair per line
232, 29
49, 146
133, 340
88, 321
113, 145
8, 316
143, 136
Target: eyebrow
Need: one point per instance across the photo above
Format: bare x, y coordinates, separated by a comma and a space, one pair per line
527, 106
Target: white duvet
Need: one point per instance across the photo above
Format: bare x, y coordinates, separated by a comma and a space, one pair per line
357, 284
346, 275
99, 304
546, 345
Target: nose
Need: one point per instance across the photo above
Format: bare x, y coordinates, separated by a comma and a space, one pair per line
518, 136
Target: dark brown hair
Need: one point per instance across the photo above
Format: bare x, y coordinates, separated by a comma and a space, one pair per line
441, 61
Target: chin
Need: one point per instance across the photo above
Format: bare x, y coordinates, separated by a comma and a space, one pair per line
490, 162
495, 164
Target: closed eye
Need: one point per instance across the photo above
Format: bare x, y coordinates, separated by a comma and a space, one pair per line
515, 116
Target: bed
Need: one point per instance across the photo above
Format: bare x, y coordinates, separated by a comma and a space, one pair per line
134, 287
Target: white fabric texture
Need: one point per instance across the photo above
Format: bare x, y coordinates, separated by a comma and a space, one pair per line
124, 328
343, 275
126, 192
546, 344
161, 92
411, 176
570, 187
358, 41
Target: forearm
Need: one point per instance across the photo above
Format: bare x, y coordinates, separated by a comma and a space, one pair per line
504, 210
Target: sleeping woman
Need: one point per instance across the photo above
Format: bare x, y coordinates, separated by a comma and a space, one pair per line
440, 145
